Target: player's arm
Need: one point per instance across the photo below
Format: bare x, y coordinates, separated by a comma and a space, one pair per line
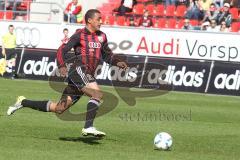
3, 46
74, 40
109, 57
63, 50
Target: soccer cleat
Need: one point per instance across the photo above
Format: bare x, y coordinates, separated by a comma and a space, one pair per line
92, 131
16, 106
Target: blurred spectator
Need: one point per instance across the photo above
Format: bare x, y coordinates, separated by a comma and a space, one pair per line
65, 36
223, 27
13, 4
187, 25
213, 26
2, 4
205, 25
80, 17
205, 4
211, 13
126, 6
106, 21
71, 11
132, 22
157, 1
231, 2
195, 10
235, 3
8, 50
170, 2
225, 15
182, 2
146, 20
218, 3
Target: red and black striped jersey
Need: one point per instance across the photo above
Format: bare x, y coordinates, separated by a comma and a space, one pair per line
90, 49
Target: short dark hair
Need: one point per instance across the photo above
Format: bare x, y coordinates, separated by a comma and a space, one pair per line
10, 26
90, 14
65, 29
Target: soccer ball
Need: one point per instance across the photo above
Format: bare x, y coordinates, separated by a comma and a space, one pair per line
163, 141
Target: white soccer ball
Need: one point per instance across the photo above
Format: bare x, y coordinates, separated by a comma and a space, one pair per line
163, 141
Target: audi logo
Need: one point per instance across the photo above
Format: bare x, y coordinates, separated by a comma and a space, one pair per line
94, 45
27, 37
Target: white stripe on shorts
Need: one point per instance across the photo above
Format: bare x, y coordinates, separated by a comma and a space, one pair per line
83, 75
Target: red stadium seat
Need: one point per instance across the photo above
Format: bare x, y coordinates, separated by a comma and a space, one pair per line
150, 8
171, 23
9, 15
127, 21
106, 8
25, 5
137, 20
159, 10
180, 11
103, 18
138, 9
154, 20
180, 24
1, 15
235, 27
108, 19
234, 12
111, 20
120, 21
161, 23
170, 11
194, 22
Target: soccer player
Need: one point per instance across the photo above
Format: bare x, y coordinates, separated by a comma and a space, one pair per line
8, 49
90, 46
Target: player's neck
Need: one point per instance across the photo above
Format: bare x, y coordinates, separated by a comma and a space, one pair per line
90, 29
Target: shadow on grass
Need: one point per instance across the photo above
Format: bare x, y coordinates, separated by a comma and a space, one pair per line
87, 140
167, 150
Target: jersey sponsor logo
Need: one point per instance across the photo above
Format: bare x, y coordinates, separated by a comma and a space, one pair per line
40, 68
227, 81
94, 45
27, 37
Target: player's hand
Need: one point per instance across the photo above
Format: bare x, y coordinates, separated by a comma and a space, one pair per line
63, 71
122, 65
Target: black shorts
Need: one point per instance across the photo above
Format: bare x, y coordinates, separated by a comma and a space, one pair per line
72, 91
10, 53
77, 79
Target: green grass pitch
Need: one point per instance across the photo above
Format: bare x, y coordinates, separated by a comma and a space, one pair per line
207, 127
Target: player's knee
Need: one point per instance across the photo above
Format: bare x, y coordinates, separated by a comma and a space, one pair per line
98, 95
60, 108
62, 105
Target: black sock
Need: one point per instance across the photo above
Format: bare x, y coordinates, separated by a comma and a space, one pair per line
92, 108
37, 105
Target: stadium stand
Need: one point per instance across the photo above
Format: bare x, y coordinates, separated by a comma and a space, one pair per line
163, 16
21, 11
